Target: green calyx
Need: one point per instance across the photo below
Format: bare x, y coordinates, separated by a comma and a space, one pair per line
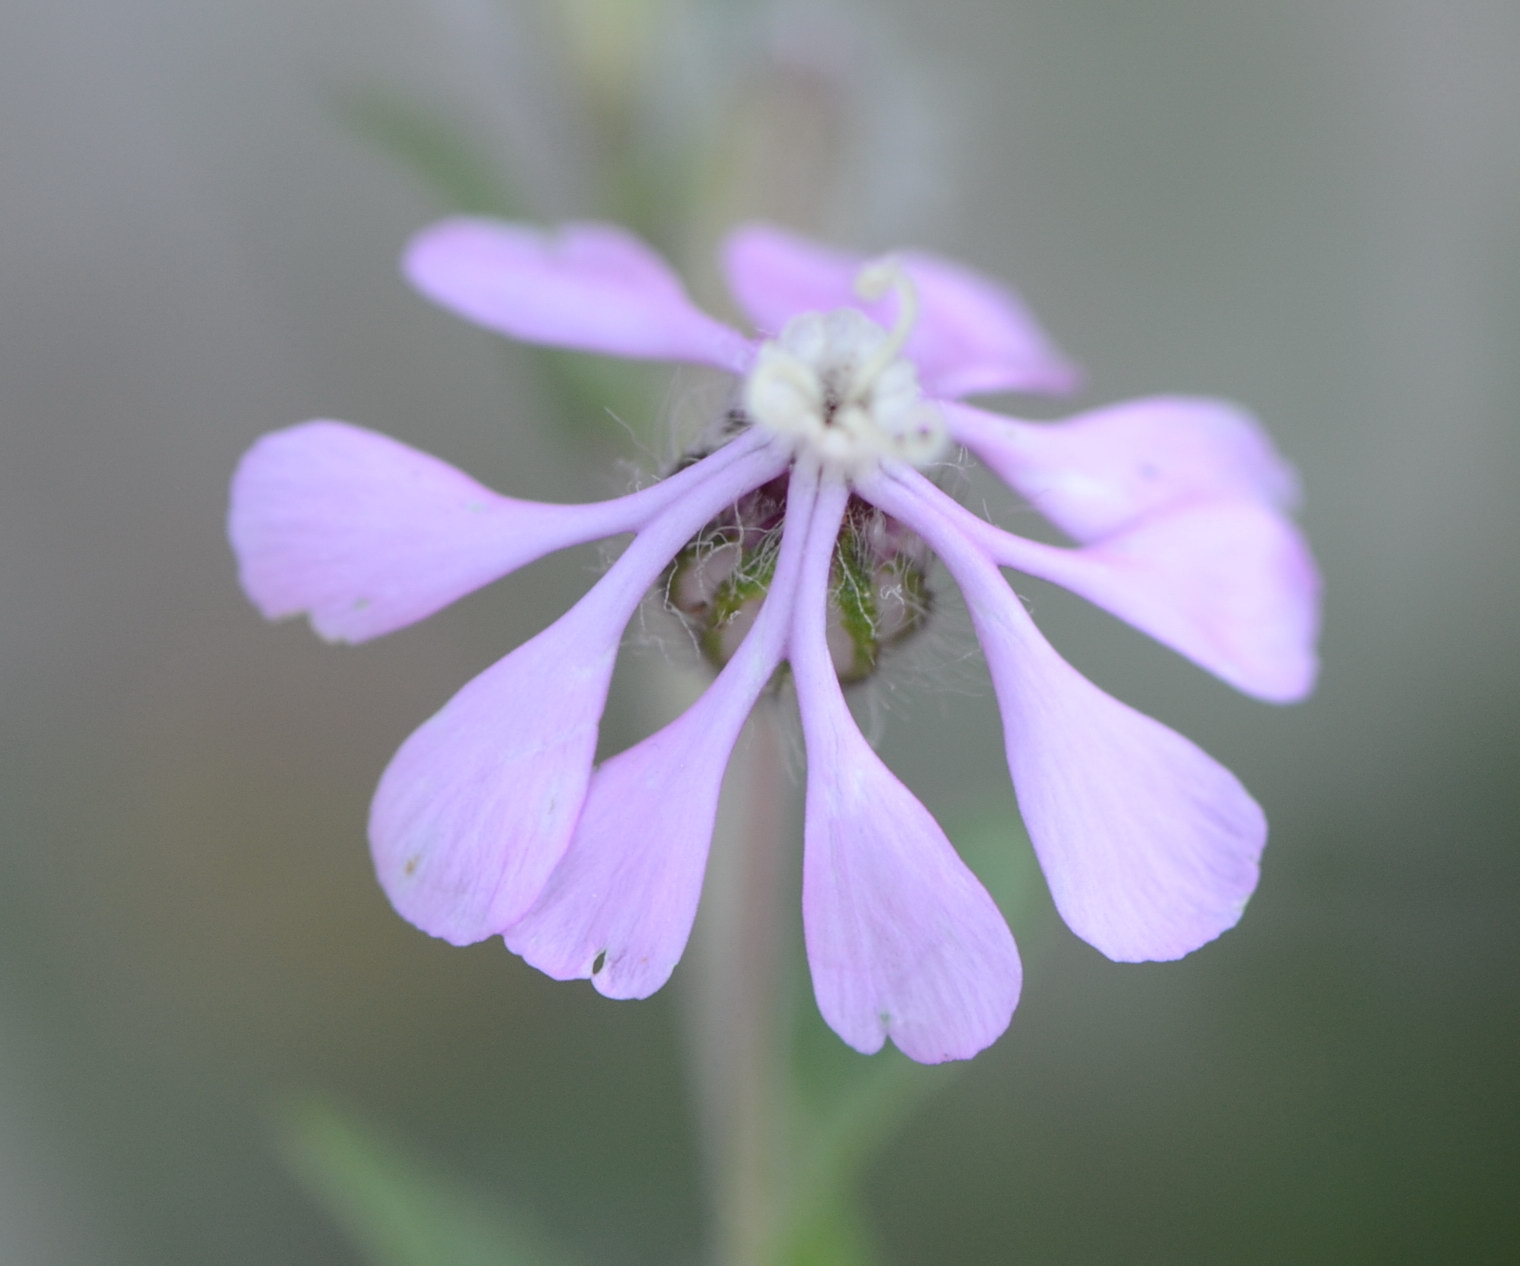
878, 596
878, 591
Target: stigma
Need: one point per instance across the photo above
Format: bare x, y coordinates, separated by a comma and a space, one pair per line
836, 387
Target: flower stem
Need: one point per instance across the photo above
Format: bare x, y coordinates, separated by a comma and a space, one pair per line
736, 1027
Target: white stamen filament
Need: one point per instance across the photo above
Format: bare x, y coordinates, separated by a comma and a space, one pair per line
874, 281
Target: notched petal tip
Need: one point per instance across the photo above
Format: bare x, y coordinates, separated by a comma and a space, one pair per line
1151, 848
1105, 470
366, 535
618, 909
902, 939
1229, 584
477, 807
591, 286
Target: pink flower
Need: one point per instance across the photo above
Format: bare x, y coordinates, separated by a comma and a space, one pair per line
491, 819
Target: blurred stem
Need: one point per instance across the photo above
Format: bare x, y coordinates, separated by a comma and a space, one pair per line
736, 1033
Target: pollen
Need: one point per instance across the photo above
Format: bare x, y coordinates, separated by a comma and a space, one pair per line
836, 387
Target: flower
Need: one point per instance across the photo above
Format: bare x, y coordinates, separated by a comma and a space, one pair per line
491, 820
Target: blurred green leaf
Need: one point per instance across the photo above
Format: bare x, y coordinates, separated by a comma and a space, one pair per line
398, 1209
835, 1235
431, 147
839, 1130
600, 401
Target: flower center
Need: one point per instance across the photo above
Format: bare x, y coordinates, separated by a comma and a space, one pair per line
835, 385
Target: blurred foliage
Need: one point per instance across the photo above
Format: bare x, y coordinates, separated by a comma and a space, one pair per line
401, 1211
430, 145
834, 1235
462, 173
398, 1210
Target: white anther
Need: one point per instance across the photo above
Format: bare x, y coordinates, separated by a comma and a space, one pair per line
834, 384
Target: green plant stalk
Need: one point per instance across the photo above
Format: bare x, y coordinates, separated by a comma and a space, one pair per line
737, 1040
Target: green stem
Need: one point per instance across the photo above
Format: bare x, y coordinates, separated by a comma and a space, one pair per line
737, 1045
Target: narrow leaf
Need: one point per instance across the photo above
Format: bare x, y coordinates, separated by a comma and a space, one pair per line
398, 1209
431, 147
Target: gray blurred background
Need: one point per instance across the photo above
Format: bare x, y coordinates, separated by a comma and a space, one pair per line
1309, 206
